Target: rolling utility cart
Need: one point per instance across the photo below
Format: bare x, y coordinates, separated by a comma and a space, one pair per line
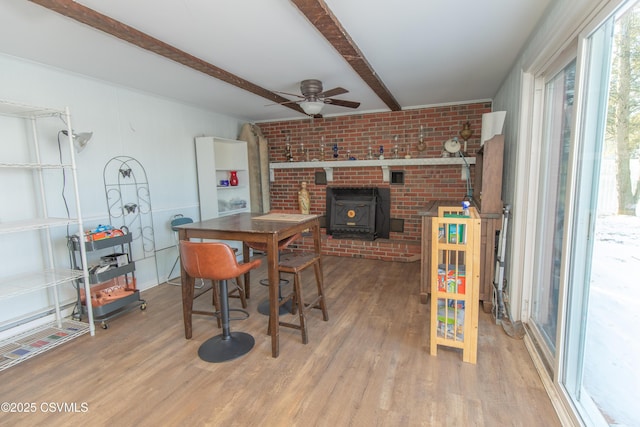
113, 283
455, 279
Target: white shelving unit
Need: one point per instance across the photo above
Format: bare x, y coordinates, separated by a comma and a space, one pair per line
215, 159
31, 223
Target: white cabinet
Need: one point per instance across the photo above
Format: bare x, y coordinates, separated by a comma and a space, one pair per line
39, 209
216, 159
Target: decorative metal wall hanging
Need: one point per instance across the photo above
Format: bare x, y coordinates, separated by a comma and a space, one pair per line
129, 203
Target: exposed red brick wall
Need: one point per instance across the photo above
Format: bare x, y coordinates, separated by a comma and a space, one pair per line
356, 133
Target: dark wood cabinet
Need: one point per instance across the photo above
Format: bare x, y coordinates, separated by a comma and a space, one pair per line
487, 191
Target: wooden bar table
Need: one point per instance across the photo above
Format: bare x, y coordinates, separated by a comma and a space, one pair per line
249, 227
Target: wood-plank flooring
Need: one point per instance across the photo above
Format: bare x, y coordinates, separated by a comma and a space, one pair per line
369, 365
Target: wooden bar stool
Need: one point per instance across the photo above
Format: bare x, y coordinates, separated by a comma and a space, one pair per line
263, 307
295, 263
217, 262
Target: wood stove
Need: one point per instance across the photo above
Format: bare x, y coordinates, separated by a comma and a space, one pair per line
358, 212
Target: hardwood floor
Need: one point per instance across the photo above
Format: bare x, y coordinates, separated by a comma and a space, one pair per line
368, 365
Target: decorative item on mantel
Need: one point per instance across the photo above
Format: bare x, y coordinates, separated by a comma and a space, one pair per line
370, 151
287, 151
305, 152
408, 153
350, 156
421, 146
394, 150
335, 151
465, 134
304, 200
381, 157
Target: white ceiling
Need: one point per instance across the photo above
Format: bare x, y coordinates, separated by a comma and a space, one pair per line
426, 52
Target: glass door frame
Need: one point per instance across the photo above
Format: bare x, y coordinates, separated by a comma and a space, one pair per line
560, 372
549, 360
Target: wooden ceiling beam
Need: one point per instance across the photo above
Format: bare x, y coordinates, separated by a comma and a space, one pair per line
319, 14
101, 22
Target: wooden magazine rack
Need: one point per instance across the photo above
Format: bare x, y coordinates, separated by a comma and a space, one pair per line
455, 280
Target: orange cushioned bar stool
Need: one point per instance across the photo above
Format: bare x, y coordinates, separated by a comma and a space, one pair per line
217, 262
236, 290
295, 263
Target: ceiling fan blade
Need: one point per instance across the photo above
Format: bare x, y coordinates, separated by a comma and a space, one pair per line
290, 94
333, 92
283, 103
342, 103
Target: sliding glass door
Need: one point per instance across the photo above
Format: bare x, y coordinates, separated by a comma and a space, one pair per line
600, 370
585, 296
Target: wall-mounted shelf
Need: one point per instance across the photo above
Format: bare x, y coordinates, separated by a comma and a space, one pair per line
385, 164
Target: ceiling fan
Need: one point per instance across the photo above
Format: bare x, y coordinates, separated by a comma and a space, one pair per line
314, 98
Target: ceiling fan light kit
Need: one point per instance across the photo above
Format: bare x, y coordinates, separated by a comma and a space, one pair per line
312, 107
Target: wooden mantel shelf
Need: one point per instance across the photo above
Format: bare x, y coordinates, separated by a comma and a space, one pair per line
385, 164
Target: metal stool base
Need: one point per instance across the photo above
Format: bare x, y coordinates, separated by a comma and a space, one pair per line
217, 349
286, 308
263, 307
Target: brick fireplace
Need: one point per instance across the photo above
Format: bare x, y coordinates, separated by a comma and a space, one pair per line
353, 134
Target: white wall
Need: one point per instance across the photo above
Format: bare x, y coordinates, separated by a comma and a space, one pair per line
157, 132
